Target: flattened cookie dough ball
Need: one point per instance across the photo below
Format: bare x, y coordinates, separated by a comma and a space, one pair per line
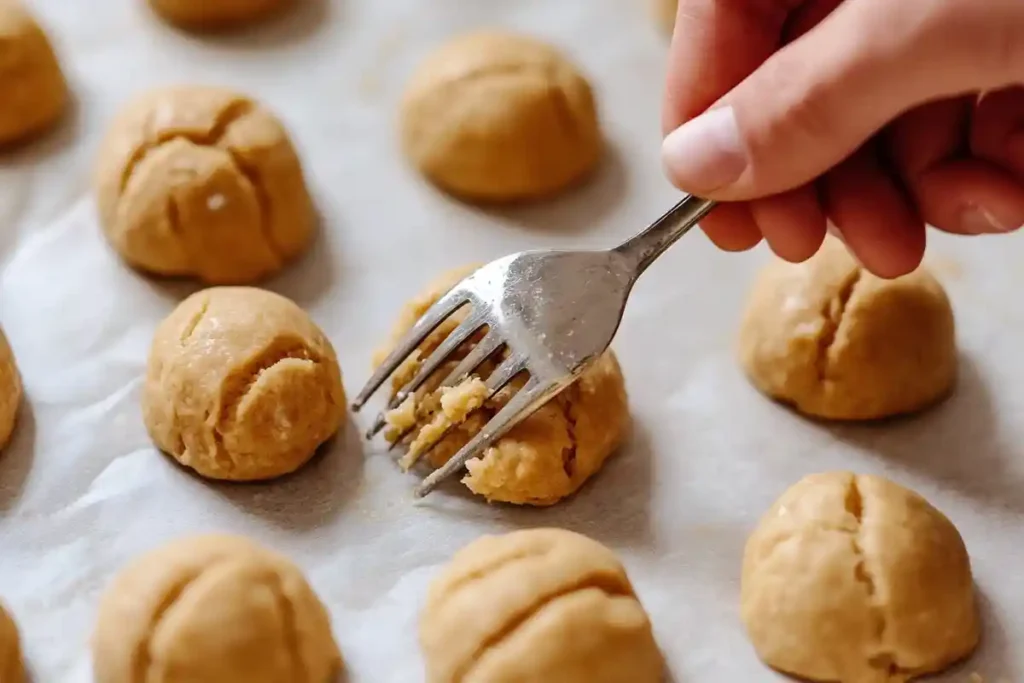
546, 457
537, 605
498, 117
34, 92
855, 579
10, 391
202, 182
213, 609
11, 668
836, 342
215, 15
241, 385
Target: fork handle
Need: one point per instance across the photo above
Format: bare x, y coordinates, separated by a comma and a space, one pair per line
642, 249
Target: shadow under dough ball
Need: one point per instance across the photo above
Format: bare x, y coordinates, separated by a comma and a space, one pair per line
544, 458
213, 609
12, 669
241, 385
33, 92
215, 15
855, 579
498, 117
536, 605
202, 182
10, 391
836, 342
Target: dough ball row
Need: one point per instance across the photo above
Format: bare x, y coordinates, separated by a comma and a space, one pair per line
847, 577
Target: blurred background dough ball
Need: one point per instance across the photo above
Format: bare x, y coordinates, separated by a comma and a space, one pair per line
241, 385
213, 609
215, 15
10, 391
536, 605
665, 13
836, 342
498, 117
854, 578
546, 457
33, 92
202, 182
11, 668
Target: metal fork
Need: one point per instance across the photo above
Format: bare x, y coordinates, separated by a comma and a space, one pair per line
554, 311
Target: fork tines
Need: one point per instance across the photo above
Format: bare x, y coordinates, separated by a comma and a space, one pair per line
514, 364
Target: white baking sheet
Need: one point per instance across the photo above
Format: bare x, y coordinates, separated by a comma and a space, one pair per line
82, 491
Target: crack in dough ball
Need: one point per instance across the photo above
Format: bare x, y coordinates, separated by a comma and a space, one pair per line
213, 15
537, 605
33, 88
546, 457
202, 182
11, 668
498, 117
213, 609
855, 579
10, 391
241, 385
836, 342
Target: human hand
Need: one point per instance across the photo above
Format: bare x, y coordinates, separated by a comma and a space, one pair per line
877, 116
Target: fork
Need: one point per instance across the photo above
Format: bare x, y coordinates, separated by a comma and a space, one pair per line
555, 312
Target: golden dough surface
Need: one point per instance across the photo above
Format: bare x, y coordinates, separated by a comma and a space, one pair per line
855, 579
665, 13
836, 342
196, 181
536, 605
12, 669
213, 609
216, 14
241, 385
500, 117
33, 91
547, 456
10, 391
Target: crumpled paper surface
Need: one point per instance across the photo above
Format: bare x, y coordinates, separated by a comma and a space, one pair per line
82, 491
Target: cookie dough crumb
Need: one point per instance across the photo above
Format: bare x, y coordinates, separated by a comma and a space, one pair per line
456, 404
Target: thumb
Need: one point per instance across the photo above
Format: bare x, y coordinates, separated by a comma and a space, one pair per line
818, 99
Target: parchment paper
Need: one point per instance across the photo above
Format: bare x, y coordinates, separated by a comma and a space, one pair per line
82, 491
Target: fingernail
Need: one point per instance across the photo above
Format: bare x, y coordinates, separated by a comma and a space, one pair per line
705, 154
975, 220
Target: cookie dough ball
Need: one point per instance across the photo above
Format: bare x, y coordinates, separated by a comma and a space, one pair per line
241, 385
215, 14
853, 578
836, 342
213, 609
10, 391
11, 668
34, 91
546, 457
497, 117
202, 182
665, 14
537, 605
